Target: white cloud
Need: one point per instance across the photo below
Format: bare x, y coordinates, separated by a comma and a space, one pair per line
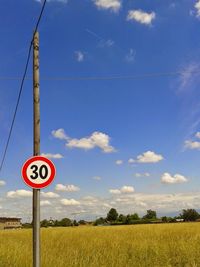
67, 188
89, 207
192, 144
119, 162
52, 156
69, 202
141, 16
97, 139
149, 157
115, 191
45, 203
167, 178
197, 7
113, 5
130, 57
146, 174
79, 55
49, 195
60, 134
97, 178
19, 193
127, 189
2, 183
122, 190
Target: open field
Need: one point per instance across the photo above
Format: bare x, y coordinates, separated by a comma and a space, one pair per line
161, 245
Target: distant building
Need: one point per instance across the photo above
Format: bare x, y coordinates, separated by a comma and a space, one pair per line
179, 220
10, 223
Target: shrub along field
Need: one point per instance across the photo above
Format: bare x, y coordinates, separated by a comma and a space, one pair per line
113, 246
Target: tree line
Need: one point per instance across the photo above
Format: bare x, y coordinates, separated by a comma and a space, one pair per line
113, 218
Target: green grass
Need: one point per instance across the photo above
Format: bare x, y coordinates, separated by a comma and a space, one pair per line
161, 245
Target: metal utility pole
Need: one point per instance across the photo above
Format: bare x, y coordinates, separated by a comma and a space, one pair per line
36, 149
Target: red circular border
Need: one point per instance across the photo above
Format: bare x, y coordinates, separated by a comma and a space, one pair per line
25, 167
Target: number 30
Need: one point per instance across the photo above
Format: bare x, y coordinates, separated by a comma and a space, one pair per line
41, 174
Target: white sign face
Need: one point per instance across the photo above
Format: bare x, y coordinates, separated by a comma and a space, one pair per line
38, 172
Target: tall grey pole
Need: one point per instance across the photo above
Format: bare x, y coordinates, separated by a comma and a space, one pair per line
36, 149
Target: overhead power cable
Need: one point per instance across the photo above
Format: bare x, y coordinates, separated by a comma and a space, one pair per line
109, 77
21, 86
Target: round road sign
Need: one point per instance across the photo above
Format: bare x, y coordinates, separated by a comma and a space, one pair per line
38, 172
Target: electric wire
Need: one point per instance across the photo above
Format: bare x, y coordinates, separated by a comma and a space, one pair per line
21, 87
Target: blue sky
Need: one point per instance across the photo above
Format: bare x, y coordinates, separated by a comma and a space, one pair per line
131, 144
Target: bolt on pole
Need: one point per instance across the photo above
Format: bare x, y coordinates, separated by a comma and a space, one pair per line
36, 149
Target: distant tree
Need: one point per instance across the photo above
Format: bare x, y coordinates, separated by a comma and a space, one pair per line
122, 218
131, 218
164, 219
75, 223
189, 215
44, 223
27, 225
82, 222
151, 214
65, 222
112, 215
99, 221
56, 223
135, 216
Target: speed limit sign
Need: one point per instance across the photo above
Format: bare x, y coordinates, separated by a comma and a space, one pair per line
38, 172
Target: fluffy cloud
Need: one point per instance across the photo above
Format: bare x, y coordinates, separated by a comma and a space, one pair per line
97, 139
197, 7
127, 189
146, 174
79, 55
113, 5
192, 144
52, 156
19, 193
115, 191
69, 202
89, 207
2, 183
141, 16
60, 134
167, 178
45, 203
67, 188
122, 190
149, 157
119, 162
49, 195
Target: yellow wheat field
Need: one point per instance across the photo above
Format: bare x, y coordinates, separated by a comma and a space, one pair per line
162, 245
